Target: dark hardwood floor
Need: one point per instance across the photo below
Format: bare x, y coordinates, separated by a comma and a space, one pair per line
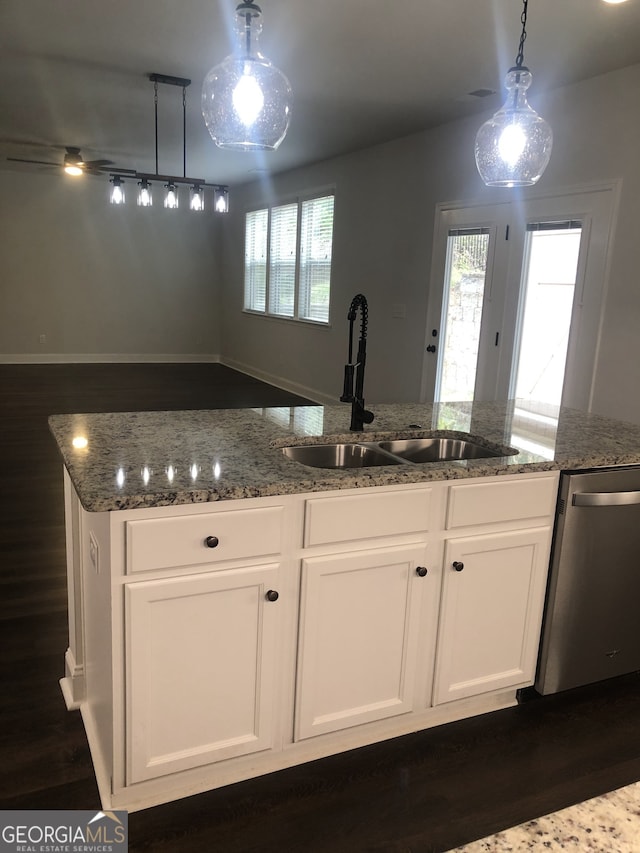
423, 793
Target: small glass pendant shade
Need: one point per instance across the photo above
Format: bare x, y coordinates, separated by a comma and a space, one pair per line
246, 101
145, 199
513, 148
196, 198
171, 196
116, 196
221, 199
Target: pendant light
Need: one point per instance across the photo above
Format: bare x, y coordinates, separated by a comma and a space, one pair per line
196, 198
513, 148
172, 183
145, 198
116, 196
171, 196
246, 101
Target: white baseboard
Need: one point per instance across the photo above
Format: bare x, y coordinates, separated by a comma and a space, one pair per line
108, 358
280, 382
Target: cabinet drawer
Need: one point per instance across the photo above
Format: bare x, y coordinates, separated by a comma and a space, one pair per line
162, 543
487, 503
342, 519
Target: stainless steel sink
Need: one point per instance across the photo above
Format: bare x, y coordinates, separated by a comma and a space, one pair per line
439, 449
340, 455
396, 452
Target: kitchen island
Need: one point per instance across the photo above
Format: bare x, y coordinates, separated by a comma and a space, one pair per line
233, 612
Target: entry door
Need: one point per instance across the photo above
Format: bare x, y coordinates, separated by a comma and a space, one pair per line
517, 287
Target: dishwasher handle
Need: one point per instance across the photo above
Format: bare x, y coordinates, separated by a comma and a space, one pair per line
605, 498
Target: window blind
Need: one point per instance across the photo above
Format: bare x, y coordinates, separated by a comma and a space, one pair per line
255, 260
316, 236
282, 259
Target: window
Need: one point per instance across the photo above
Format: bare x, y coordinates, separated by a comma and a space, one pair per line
287, 260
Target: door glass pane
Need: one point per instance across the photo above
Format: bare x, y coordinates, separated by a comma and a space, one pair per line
465, 278
551, 263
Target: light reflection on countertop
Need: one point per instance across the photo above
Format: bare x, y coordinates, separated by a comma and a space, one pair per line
142, 459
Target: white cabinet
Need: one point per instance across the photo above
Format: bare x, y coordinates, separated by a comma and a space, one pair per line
197, 675
491, 610
494, 582
359, 634
201, 655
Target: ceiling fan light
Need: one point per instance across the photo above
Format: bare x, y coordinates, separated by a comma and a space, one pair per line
73, 162
116, 196
246, 101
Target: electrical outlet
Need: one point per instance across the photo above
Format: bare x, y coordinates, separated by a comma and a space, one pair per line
43, 339
94, 553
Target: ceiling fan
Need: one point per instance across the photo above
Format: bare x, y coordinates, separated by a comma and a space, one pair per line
74, 164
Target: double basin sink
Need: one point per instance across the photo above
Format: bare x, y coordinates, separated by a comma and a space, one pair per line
397, 452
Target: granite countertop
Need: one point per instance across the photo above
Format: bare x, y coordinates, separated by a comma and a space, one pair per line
606, 823
127, 460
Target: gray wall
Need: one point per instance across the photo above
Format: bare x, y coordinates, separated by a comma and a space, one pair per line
103, 282
385, 206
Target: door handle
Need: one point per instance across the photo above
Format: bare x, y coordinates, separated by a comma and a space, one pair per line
605, 498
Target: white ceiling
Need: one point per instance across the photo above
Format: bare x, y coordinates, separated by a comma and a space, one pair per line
75, 72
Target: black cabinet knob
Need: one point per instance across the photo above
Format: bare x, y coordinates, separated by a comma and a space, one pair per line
431, 348
421, 571
458, 566
211, 541
272, 595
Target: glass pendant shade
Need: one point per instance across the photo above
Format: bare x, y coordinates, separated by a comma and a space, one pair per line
145, 199
513, 148
221, 200
117, 191
171, 196
196, 198
246, 101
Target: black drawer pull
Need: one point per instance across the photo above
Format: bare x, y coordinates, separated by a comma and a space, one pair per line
272, 595
421, 571
212, 541
458, 566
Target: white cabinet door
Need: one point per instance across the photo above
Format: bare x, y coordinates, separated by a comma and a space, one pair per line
359, 633
493, 595
200, 669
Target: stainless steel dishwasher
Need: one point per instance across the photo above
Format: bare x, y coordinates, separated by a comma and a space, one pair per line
591, 628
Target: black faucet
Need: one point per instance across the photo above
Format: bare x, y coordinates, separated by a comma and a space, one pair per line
359, 415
